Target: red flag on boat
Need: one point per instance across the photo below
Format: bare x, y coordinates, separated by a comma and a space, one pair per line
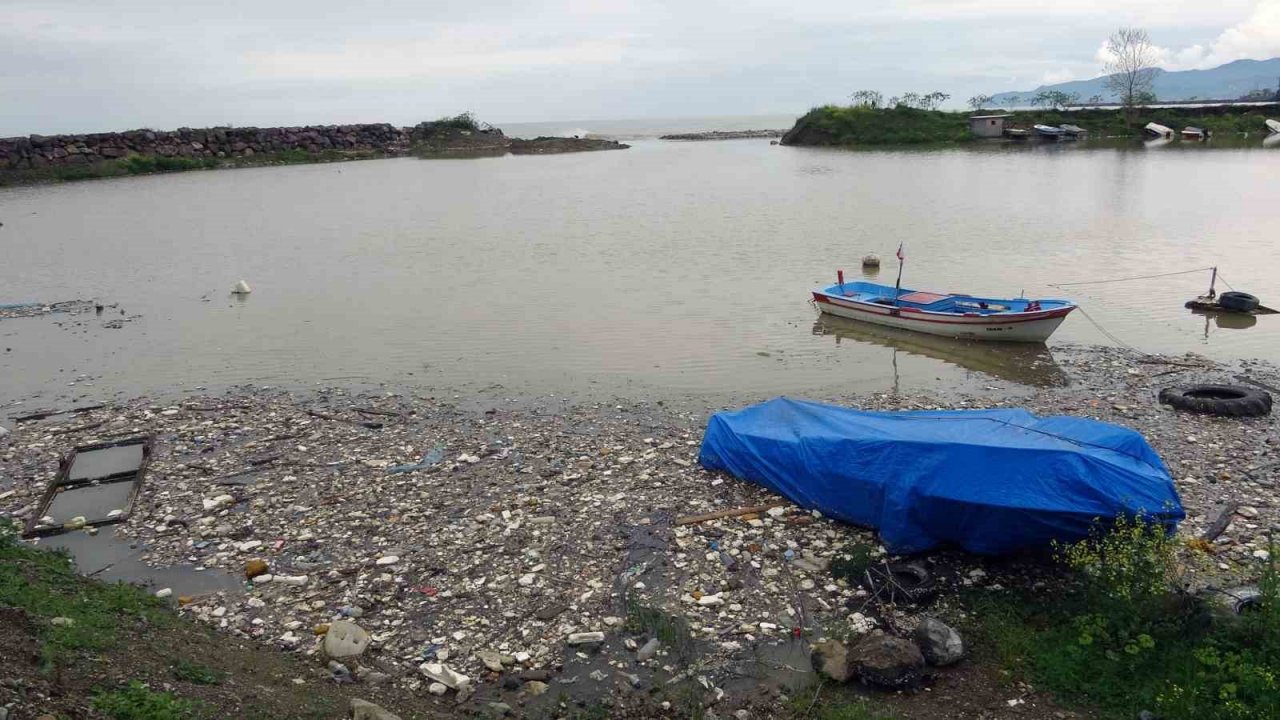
901, 256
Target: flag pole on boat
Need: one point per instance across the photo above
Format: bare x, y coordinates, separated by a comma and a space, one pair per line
897, 287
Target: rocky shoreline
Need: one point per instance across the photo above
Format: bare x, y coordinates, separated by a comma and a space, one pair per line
39, 158
725, 135
521, 553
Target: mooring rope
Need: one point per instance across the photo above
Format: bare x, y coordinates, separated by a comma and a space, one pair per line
1109, 334
1134, 277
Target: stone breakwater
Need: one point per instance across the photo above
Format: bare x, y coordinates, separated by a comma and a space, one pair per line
43, 151
38, 151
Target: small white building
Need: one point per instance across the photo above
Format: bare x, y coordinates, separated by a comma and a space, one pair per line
988, 125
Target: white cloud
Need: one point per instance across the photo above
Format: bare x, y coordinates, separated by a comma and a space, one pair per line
1257, 37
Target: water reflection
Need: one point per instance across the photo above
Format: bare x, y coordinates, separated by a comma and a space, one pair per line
1024, 363
1226, 320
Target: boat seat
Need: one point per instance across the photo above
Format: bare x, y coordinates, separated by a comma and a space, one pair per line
924, 298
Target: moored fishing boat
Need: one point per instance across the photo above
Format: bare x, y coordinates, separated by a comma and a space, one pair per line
1157, 130
1273, 126
1193, 133
945, 314
1074, 130
1050, 131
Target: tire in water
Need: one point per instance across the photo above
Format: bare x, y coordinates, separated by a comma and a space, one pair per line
1238, 301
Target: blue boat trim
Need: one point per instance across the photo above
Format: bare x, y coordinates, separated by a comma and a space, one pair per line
954, 304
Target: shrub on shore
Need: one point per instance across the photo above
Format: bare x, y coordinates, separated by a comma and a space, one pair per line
1125, 635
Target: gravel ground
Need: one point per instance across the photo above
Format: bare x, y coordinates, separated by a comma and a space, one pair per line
531, 521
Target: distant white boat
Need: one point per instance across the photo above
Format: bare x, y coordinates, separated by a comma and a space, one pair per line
1273, 126
1193, 133
1073, 130
1158, 130
1050, 131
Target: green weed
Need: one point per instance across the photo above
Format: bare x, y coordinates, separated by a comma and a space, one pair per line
851, 561
839, 705
198, 674
1124, 637
136, 702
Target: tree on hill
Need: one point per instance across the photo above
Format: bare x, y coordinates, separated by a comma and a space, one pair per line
867, 99
1130, 74
1056, 99
977, 102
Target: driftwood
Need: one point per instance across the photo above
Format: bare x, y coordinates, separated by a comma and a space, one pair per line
50, 413
1221, 519
1162, 361
372, 411
335, 418
77, 428
735, 512
1258, 383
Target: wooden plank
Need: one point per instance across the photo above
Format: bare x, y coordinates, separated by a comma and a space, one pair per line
735, 512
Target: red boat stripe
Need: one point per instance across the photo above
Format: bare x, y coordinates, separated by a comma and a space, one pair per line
981, 320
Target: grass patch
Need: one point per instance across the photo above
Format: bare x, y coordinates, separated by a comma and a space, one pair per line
46, 586
197, 674
1124, 637
885, 126
803, 706
136, 702
851, 561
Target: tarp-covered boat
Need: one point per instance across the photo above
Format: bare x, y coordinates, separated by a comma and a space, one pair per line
991, 481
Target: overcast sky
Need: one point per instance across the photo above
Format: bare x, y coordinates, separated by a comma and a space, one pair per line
89, 65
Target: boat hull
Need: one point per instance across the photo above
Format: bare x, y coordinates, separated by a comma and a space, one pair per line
1032, 328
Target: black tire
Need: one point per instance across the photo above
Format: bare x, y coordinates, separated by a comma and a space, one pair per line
1238, 301
900, 582
1227, 400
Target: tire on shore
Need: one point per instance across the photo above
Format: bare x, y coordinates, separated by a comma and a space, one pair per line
1225, 400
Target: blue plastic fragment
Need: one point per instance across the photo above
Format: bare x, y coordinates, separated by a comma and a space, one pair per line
432, 457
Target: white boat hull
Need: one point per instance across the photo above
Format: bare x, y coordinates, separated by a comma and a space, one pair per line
1036, 328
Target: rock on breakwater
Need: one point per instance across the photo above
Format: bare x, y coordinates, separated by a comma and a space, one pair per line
38, 151
552, 145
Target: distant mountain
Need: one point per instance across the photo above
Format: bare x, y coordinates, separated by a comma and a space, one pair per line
1225, 82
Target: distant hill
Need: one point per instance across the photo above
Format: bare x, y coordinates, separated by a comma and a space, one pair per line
1225, 82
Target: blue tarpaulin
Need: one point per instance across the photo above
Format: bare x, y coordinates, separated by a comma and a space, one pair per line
990, 481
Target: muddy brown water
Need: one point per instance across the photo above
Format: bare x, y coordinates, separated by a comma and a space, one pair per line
669, 268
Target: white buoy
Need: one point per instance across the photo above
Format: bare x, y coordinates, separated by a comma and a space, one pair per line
241, 288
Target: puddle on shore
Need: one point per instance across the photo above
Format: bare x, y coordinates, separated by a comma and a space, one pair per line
93, 502
110, 558
105, 462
